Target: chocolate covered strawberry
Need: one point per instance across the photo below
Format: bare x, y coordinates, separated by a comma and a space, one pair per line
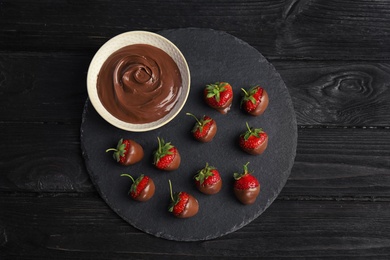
183, 204
166, 157
246, 186
254, 141
219, 96
127, 152
208, 180
204, 129
142, 188
254, 101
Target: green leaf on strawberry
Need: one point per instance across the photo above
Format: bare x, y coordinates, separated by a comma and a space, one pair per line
200, 123
219, 96
119, 151
203, 174
208, 180
252, 132
163, 149
183, 204
246, 186
175, 198
214, 90
167, 156
254, 101
142, 188
254, 141
238, 176
249, 95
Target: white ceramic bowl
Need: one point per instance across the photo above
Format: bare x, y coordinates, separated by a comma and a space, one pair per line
129, 38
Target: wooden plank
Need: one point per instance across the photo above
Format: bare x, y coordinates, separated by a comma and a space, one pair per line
42, 158
41, 87
341, 163
338, 93
331, 163
67, 227
323, 93
297, 29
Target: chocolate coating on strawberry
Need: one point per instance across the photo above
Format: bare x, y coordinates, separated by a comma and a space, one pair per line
183, 204
211, 188
246, 187
208, 180
191, 208
127, 152
262, 106
254, 141
247, 196
175, 162
204, 129
142, 189
255, 100
147, 192
219, 96
167, 156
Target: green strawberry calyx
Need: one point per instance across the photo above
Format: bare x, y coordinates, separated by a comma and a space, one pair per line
204, 173
238, 176
214, 90
252, 132
119, 151
133, 187
163, 149
175, 198
248, 95
199, 123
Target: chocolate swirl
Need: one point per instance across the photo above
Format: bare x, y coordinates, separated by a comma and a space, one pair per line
139, 84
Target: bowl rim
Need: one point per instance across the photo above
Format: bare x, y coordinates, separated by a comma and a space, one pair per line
114, 44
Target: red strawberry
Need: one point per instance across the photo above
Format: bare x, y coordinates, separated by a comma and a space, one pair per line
246, 186
255, 100
254, 140
142, 188
127, 152
183, 204
219, 96
166, 157
208, 180
204, 129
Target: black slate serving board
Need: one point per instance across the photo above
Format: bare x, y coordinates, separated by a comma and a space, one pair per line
212, 56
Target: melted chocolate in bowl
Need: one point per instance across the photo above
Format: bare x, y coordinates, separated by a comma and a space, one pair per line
139, 84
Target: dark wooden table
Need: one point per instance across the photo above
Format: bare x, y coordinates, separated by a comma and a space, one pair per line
334, 57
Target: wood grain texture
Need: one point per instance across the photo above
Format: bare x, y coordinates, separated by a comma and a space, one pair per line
338, 93
43, 158
352, 163
42, 87
323, 93
326, 30
335, 30
79, 228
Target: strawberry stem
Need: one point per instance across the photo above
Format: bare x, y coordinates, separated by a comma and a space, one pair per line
197, 120
127, 175
170, 189
245, 92
159, 144
248, 127
246, 168
238, 176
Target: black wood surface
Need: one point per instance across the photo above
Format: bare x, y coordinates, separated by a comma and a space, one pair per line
335, 61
